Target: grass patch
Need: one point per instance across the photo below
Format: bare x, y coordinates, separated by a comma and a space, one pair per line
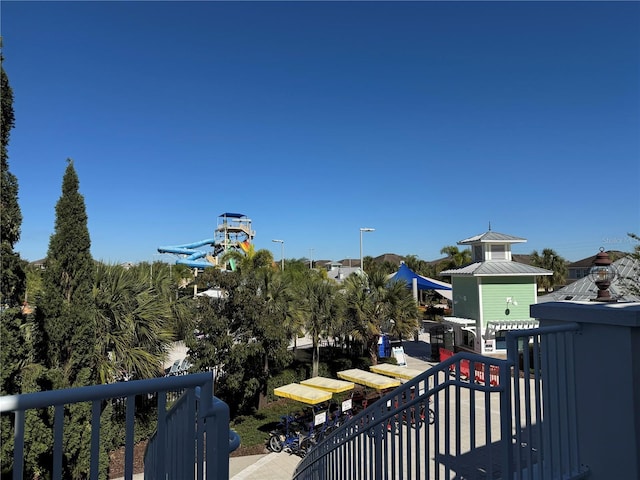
254, 429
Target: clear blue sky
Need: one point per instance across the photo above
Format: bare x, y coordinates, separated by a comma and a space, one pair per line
423, 120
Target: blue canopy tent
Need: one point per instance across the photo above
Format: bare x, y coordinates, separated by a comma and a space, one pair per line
407, 275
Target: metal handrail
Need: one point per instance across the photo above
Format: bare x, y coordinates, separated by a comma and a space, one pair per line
368, 431
212, 422
52, 398
180, 424
523, 443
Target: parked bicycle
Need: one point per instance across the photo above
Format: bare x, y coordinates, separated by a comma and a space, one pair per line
290, 436
413, 416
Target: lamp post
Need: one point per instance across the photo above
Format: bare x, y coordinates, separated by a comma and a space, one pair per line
361, 257
281, 242
603, 273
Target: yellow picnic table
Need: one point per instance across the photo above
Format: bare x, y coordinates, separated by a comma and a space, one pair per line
303, 393
328, 384
373, 380
395, 371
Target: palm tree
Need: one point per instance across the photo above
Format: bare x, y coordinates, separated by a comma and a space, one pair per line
455, 257
275, 320
134, 329
551, 261
413, 262
372, 303
320, 307
402, 309
420, 266
252, 260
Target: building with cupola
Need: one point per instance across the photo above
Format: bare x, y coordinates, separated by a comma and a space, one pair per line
492, 294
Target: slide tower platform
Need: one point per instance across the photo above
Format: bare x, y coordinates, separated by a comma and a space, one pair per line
233, 232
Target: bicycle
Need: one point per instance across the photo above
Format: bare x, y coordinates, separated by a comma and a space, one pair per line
292, 437
414, 416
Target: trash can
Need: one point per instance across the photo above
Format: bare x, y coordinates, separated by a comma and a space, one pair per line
441, 337
384, 346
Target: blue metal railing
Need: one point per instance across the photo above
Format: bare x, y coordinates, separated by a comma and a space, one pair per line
393, 437
545, 423
521, 426
208, 417
169, 454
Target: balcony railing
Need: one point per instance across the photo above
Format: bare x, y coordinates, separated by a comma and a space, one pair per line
168, 455
516, 424
193, 433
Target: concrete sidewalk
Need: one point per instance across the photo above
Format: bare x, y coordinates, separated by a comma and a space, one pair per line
270, 466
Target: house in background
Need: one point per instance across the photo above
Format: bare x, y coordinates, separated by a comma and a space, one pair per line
492, 294
583, 290
338, 272
580, 269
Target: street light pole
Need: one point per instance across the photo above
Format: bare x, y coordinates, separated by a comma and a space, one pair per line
361, 257
281, 242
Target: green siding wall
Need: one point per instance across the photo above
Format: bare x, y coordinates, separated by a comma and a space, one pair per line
495, 290
465, 297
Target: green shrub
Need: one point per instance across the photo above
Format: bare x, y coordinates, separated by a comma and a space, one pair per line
285, 377
389, 360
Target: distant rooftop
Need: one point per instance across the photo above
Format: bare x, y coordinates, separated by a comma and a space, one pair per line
497, 269
490, 237
585, 289
233, 215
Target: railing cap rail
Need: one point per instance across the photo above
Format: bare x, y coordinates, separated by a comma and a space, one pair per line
90, 393
622, 314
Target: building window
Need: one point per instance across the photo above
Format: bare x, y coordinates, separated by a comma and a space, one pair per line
467, 338
477, 253
501, 340
498, 252
581, 273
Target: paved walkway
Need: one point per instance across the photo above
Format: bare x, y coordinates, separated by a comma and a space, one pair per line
271, 466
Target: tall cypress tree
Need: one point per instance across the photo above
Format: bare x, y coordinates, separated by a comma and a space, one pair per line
13, 281
18, 373
66, 309
13, 349
66, 314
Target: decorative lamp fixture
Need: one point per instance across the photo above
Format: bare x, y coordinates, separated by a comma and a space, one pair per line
603, 273
510, 301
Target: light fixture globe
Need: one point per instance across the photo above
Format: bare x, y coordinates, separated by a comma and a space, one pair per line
603, 273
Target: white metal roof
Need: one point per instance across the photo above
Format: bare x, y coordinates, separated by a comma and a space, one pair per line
492, 237
498, 269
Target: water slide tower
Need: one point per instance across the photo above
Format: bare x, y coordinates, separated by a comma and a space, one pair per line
233, 232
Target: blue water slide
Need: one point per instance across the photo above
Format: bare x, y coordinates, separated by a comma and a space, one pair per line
187, 248
194, 263
192, 255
